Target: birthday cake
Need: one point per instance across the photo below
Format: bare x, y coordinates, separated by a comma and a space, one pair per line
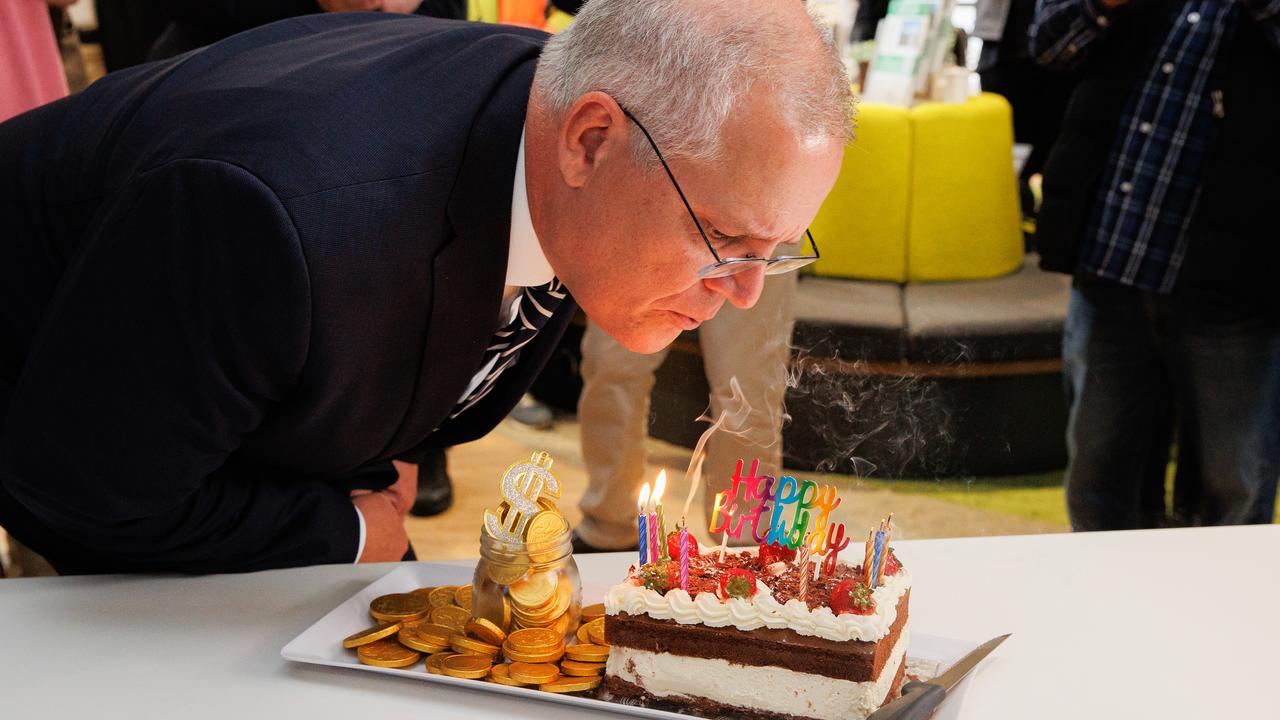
766, 634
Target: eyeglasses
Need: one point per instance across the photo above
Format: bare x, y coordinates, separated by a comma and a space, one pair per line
723, 267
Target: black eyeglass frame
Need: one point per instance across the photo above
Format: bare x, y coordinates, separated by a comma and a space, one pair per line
772, 266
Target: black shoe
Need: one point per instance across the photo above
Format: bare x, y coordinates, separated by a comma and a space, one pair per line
435, 490
581, 547
532, 413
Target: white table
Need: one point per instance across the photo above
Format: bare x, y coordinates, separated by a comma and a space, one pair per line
1151, 624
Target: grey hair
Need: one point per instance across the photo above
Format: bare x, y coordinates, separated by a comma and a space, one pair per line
683, 66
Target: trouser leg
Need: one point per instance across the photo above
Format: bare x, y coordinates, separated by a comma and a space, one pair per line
1119, 397
1228, 377
613, 412
753, 346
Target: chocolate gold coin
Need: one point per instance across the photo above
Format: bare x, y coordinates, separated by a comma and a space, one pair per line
587, 653
427, 641
466, 666
534, 640
591, 612
387, 653
463, 644
368, 635
571, 684
499, 674
533, 673
482, 629
430, 633
582, 669
534, 592
433, 661
544, 527
582, 634
542, 656
452, 616
595, 631
398, 607
462, 597
441, 596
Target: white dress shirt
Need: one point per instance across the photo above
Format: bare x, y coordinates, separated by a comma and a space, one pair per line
527, 266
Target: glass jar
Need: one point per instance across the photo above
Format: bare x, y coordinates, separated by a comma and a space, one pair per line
525, 585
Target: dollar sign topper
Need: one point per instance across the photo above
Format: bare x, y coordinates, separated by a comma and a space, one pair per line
521, 486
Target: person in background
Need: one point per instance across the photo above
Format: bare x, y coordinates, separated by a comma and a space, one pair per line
1038, 95
613, 411
31, 71
1157, 198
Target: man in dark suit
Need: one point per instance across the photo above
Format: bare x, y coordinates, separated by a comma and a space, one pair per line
239, 287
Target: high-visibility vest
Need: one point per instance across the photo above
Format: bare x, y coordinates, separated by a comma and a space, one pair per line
529, 13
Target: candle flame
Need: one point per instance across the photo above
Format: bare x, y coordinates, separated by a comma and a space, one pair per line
659, 486
644, 498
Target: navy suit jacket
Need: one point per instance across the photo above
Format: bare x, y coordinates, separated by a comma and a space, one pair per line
235, 284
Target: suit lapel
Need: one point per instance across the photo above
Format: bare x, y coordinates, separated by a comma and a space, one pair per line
469, 272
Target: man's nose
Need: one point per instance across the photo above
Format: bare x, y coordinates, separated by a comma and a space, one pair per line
742, 289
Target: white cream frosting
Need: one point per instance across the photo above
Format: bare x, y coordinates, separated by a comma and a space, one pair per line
762, 610
766, 688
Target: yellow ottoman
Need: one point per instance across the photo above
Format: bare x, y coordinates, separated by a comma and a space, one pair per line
926, 194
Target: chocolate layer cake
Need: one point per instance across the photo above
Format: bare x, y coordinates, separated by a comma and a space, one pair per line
758, 651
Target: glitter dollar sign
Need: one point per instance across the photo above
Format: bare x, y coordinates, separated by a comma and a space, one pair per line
523, 484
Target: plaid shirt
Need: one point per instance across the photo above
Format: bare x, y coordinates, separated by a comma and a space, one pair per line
1137, 230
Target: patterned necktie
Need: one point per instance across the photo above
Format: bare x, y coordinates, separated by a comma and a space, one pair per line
534, 307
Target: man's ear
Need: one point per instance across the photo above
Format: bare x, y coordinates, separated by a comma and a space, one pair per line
592, 129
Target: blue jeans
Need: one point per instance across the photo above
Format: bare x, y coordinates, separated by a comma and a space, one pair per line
1130, 359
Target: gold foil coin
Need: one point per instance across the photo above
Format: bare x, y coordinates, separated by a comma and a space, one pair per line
571, 684
533, 673
466, 666
413, 636
387, 653
453, 617
397, 607
591, 612
534, 640
587, 653
583, 637
441, 596
595, 630
482, 629
462, 597
535, 591
545, 656
464, 644
368, 635
582, 669
433, 661
546, 526
431, 633
500, 675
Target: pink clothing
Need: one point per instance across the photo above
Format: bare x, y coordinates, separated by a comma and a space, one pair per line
30, 63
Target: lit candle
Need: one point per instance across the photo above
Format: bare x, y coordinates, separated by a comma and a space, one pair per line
867, 577
877, 573
659, 486
644, 523
684, 556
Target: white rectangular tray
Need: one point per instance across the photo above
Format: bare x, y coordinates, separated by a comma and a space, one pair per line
321, 644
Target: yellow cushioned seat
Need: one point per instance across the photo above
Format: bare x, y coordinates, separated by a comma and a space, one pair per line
925, 194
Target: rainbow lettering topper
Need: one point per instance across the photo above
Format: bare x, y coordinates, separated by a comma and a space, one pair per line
791, 520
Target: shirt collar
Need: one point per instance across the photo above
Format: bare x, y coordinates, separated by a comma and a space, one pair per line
527, 265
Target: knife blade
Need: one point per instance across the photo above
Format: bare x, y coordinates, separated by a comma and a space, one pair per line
921, 698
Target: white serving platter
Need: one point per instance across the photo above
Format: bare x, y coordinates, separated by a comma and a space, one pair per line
321, 644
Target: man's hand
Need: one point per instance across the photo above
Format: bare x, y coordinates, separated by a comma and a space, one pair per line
385, 539
349, 6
